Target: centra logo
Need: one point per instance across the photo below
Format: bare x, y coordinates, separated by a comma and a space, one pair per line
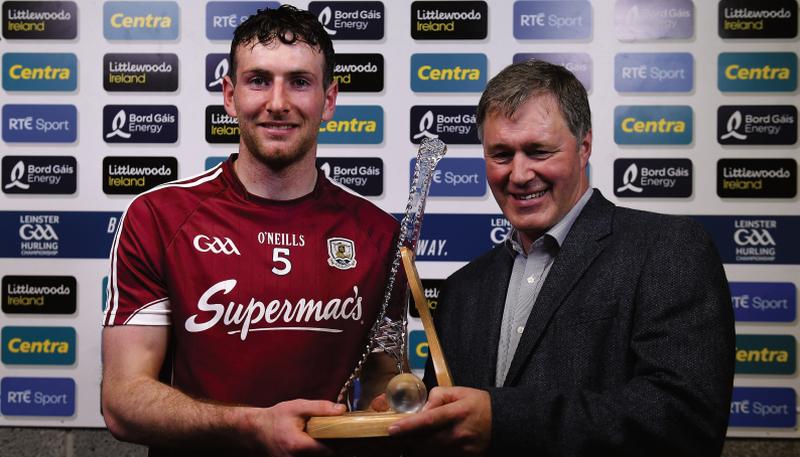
140, 20
39, 71
38, 345
653, 125
759, 72
353, 124
448, 72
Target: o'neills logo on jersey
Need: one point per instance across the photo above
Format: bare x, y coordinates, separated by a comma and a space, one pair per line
140, 124
140, 20
637, 20
653, 178
766, 354
38, 235
220, 127
305, 314
757, 178
359, 72
747, 19
757, 124
39, 294
757, 71
40, 20
449, 20
39, 175
350, 20
653, 124
217, 66
353, 124
140, 72
448, 72
547, 20
579, 63
431, 288
363, 174
222, 18
40, 72
451, 124
133, 175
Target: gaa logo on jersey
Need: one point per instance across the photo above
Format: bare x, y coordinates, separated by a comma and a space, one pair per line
140, 123
215, 245
579, 63
637, 20
341, 253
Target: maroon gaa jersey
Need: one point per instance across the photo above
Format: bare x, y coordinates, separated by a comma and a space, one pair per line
267, 300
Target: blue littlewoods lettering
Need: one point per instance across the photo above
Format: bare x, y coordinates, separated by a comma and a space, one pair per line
654, 72
353, 124
40, 72
769, 407
764, 301
40, 123
448, 72
548, 20
457, 177
757, 71
38, 345
222, 18
141, 20
653, 124
52, 397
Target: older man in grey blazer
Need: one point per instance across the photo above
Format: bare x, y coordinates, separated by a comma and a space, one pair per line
593, 329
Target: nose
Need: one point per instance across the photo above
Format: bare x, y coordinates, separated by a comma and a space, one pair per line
278, 101
521, 170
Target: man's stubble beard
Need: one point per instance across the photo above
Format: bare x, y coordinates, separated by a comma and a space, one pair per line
280, 161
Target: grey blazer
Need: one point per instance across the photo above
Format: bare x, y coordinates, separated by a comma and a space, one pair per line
629, 348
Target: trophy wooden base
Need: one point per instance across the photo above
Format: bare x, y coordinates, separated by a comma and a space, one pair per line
358, 424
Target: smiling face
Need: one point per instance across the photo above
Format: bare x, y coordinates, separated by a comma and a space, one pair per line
534, 165
280, 101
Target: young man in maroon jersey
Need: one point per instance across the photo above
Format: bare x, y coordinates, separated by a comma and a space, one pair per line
253, 285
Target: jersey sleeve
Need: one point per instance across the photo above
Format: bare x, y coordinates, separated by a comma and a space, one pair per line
137, 292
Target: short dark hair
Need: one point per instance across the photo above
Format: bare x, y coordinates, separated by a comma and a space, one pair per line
517, 83
289, 25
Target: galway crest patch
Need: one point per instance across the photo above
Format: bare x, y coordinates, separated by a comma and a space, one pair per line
341, 253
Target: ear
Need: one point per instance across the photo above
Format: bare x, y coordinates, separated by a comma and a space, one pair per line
227, 94
585, 149
330, 101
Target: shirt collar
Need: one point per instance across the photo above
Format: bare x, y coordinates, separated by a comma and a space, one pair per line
557, 232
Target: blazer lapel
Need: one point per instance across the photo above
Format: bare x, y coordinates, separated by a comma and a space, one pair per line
582, 245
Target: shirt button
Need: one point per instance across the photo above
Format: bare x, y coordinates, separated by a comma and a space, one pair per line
520, 330
531, 280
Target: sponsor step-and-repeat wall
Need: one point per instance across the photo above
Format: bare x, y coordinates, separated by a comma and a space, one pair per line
694, 110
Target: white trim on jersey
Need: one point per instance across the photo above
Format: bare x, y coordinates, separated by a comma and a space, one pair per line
155, 313
112, 291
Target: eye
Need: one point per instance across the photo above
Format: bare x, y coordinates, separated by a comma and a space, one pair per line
301, 83
501, 156
257, 81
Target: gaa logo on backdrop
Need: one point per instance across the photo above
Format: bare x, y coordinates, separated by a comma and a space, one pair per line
38, 235
547, 20
448, 72
140, 124
39, 175
40, 72
654, 72
579, 63
757, 124
451, 124
756, 178
362, 175
222, 18
39, 294
353, 124
220, 127
40, 20
757, 71
51, 397
350, 20
748, 19
465, 20
653, 124
140, 72
40, 123
359, 72
653, 178
639, 20
140, 20
133, 175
